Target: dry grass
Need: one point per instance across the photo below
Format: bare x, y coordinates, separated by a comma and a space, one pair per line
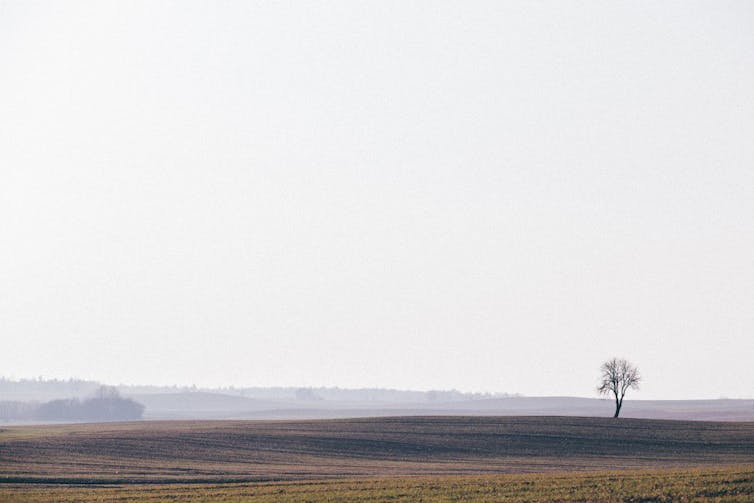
733, 484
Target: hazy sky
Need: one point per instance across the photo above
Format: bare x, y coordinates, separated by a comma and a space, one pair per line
490, 196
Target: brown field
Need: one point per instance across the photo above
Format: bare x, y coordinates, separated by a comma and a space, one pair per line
384, 458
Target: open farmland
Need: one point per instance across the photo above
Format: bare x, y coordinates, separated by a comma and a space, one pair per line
400, 459
251, 451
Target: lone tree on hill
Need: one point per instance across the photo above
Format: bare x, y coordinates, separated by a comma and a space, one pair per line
618, 375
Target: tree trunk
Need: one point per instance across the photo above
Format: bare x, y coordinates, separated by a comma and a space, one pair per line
617, 407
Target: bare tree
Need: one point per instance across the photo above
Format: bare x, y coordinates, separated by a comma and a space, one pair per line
618, 375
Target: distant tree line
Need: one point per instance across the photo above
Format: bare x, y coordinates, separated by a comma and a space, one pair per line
42, 389
105, 405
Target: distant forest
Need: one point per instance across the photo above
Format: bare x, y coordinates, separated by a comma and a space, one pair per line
106, 404
40, 389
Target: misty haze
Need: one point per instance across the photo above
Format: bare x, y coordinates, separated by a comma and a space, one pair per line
284, 251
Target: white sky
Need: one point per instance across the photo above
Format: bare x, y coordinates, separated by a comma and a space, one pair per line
490, 196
